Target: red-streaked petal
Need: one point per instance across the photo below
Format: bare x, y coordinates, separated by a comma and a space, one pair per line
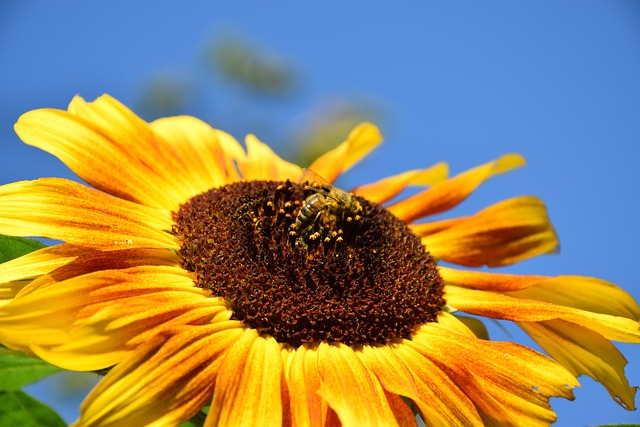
387, 188
165, 382
54, 264
60, 262
585, 352
362, 139
499, 306
304, 380
248, 387
65, 210
350, 389
263, 164
449, 193
488, 281
405, 372
509, 383
505, 233
402, 412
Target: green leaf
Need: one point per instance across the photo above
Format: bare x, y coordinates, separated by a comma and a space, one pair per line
476, 325
14, 247
17, 370
17, 408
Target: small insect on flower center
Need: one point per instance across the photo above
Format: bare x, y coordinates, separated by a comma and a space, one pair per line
307, 263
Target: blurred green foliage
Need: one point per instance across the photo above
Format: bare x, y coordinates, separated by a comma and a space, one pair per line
252, 84
166, 93
243, 63
327, 125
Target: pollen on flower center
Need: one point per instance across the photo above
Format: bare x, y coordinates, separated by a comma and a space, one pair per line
356, 281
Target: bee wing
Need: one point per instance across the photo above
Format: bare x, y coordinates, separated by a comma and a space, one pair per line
314, 181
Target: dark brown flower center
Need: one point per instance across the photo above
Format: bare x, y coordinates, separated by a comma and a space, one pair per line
299, 266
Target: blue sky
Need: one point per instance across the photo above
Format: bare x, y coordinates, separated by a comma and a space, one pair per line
463, 82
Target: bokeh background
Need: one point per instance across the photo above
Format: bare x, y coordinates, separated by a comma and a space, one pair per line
463, 82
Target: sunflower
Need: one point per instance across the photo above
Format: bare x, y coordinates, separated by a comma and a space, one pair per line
203, 275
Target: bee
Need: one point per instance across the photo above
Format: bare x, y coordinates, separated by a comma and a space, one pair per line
327, 206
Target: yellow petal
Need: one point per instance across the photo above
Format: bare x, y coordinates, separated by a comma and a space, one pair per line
44, 318
195, 147
505, 233
234, 155
449, 193
263, 164
165, 382
585, 352
90, 322
499, 306
362, 139
248, 387
39, 262
350, 389
65, 210
387, 188
584, 293
17, 273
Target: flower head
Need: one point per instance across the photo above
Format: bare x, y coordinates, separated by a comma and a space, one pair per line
204, 274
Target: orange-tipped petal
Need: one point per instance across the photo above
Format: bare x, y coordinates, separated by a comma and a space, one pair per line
505, 233
248, 387
133, 163
65, 210
585, 352
387, 188
449, 193
362, 139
